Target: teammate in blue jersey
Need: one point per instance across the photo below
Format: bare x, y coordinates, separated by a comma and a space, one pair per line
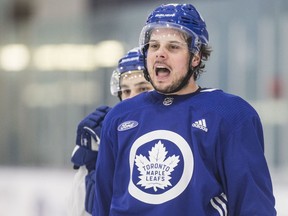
126, 82
181, 149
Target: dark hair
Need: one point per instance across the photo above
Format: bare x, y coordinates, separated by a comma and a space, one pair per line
205, 53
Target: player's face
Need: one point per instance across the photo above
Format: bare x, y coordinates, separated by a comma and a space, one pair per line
168, 60
132, 84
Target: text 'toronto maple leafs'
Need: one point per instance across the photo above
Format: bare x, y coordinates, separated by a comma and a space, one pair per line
155, 172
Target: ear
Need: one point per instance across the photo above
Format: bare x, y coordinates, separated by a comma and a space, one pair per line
195, 60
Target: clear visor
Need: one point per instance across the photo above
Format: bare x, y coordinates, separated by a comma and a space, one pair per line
118, 79
115, 83
186, 33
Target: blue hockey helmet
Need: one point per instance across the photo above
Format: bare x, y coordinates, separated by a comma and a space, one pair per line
182, 17
132, 62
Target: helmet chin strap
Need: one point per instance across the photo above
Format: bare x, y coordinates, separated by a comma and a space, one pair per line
182, 84
145, 71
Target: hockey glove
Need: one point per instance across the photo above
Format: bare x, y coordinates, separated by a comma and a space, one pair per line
88, 139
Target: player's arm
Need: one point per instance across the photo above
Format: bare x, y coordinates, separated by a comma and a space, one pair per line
105, 167
245, 172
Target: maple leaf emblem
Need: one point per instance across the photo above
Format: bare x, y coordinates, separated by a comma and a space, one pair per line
155, 172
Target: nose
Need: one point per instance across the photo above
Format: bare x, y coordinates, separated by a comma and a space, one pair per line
161, 52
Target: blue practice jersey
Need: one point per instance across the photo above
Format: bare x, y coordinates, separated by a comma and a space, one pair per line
199, 154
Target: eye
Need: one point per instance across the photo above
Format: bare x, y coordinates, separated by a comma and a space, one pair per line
153, 45
143, 89
126, 92
174, 46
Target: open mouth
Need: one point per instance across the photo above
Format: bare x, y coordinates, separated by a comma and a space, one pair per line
162, 71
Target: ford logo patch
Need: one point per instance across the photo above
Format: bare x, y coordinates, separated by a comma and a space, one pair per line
127, 125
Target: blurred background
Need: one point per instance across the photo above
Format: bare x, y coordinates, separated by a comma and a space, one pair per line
56, 59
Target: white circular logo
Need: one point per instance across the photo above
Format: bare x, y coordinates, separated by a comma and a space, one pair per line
134, 159
168, 101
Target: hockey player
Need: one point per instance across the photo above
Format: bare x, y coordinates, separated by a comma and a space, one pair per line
181, 149
126, 81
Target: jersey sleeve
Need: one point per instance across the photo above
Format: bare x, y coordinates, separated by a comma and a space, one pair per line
104, 172
244, 171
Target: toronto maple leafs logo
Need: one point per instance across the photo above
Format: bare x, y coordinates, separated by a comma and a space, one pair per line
164, 163
155, 171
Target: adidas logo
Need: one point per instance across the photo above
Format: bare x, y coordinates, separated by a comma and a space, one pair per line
201, 124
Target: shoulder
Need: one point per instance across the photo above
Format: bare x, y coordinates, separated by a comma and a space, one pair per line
218, 97
225, 104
